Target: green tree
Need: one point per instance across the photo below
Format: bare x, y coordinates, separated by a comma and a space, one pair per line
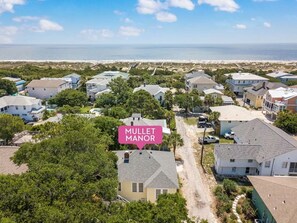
116, 112
67, 109
188, 101
120, 89
8, 86
142, 102
214, 117
168, 103
229, 186
10, 125
209, 100
287, 121
173, 141
70, 97
106, 100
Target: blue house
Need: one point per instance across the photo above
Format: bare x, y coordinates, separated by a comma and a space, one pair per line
75, 79
18, 82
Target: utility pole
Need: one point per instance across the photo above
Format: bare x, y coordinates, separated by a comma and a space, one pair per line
202, 149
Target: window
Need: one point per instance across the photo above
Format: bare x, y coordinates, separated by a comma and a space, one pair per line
233, 169
24, 107
232, 160
44, 89
267, 164
140, 187
134, 187
120, 186
250, 161
285, 165
229, 121
293, 167
161, 191
33, 88
16, 107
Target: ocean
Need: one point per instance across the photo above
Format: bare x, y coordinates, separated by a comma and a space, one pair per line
251, 52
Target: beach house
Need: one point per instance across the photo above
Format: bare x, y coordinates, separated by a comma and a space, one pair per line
238, 81
155, 90
46, 88
145, 174
19, 83
28, 108
260, 149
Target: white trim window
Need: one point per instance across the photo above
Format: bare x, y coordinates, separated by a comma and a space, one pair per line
267, 164
285, 165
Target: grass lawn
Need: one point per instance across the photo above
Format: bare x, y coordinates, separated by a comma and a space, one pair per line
190, 121
226, 141
85, 110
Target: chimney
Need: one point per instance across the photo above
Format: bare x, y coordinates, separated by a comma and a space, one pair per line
126, 157
264, 84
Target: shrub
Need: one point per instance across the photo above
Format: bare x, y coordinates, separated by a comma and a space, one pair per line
229, 186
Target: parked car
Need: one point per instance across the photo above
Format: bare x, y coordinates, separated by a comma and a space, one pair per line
209, 139
202, 120
229, 135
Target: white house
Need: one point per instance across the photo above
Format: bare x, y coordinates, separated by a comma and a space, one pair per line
45, 89
278, 74
75, 79
155, 90
28, 108
99, 83
238, 81
231, 116
260, 149
213, 92
285, 79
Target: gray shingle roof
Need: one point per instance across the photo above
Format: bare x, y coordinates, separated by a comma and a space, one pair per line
152, 89
155, 169
273, 141
237, 151
260, 89
73, 75
46, 83
201, 80
6, 165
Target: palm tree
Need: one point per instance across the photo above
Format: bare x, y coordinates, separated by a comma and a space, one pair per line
175, 140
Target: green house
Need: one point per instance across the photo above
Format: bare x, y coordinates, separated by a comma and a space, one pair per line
275, 198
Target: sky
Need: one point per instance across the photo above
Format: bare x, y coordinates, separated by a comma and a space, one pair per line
147, 21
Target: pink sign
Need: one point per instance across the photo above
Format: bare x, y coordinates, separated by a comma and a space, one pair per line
140, 135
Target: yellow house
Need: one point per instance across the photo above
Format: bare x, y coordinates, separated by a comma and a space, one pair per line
254, 95
145, 174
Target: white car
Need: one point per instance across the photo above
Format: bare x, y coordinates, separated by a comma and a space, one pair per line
209, 139
229, 135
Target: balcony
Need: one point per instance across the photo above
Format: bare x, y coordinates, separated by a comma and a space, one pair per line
274, 107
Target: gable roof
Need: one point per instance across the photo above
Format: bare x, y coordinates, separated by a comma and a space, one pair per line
155, 169
46, 83
278, 74
273, 141
152, 89
279, 196
18, 101
201, 80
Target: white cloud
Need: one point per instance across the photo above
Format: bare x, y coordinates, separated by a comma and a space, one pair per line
265, 0
7, 33
166, 17
185, 4
118, 12
267, 24
221, 5
95, 35
253, 19
150, 6
7, 5
130, 31
240, 26
25, 18
47, 25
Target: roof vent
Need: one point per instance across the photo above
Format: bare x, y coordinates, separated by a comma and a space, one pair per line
284, 202
269, 195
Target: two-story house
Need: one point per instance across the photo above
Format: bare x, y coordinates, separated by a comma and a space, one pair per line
99, 83
155, 90
278, 100
253, 95
238, 81
260, 149
200, 83
47, 88
145, 174
75, 79
28, 108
